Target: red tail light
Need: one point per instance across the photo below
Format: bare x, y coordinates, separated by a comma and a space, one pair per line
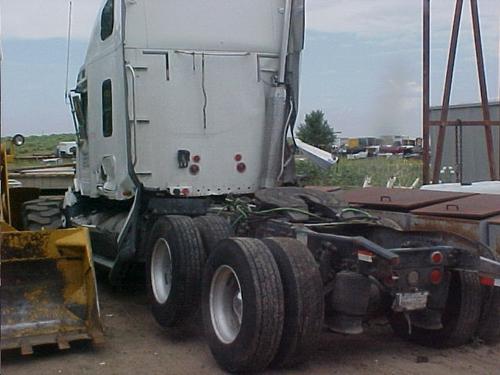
487, 281
194, 169
436, 276
437, 257
241, 167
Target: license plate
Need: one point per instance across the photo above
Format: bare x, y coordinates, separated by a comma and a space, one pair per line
410, 301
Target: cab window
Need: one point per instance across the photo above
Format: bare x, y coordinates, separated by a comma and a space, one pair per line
107, 109
107, 19
80, 106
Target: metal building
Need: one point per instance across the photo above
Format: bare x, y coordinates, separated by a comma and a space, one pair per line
466, 143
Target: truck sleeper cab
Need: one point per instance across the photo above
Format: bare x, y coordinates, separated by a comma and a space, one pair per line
192, 99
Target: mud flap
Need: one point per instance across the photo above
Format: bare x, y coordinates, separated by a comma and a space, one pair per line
48, 290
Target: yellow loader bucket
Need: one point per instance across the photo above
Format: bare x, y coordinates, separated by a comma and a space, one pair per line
48, 290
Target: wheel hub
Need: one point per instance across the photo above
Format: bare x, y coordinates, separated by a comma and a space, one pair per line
238, 306
226, 304
161, 271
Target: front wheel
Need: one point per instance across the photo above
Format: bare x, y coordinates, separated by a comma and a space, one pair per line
242, 305
174, 263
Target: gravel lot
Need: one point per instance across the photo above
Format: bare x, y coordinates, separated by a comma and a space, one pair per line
136, 345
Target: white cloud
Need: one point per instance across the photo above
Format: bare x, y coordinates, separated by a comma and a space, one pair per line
38, 19
363, 17
369, 17
41, 19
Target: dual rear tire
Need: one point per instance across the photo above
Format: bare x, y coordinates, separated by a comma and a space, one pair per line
242, 305
262, 303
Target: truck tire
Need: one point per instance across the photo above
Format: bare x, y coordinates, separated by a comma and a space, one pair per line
460, 318
43, 213
212, 228
174, 265
242, 304
489, 324
303, 299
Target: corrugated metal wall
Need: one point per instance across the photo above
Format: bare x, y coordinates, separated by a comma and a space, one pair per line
475, 158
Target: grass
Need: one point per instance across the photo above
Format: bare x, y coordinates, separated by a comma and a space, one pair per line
42, 144
352, 173
38, 145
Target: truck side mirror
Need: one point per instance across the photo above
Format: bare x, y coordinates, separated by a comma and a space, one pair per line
18, 140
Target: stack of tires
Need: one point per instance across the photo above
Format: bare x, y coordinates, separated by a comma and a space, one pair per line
43, 213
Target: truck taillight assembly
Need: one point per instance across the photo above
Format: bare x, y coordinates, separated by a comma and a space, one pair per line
489, 281
436, 276
241, 167
437, 257
194, 169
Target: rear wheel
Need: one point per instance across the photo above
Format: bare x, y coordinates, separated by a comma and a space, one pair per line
489, 323
303, 298
212, 228
174, 263
242, 305
43, 213
460, 317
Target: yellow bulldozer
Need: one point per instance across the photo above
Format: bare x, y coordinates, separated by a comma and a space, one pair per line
48, 285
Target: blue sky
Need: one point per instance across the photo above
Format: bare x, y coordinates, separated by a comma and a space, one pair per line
361, 64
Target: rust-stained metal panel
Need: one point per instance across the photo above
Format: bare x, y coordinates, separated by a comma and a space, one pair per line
494, 220
494, 234
486, 231
477, 206
399, 199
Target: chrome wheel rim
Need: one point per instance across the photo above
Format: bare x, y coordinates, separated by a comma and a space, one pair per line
226, 304
161, 271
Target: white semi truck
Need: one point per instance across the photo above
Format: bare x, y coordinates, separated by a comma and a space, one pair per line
182, 110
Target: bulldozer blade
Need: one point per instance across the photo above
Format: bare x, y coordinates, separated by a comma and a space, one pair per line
48, 289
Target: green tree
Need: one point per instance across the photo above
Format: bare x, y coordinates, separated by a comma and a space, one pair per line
316, 131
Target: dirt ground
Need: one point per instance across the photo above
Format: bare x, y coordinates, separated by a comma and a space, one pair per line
136, 345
